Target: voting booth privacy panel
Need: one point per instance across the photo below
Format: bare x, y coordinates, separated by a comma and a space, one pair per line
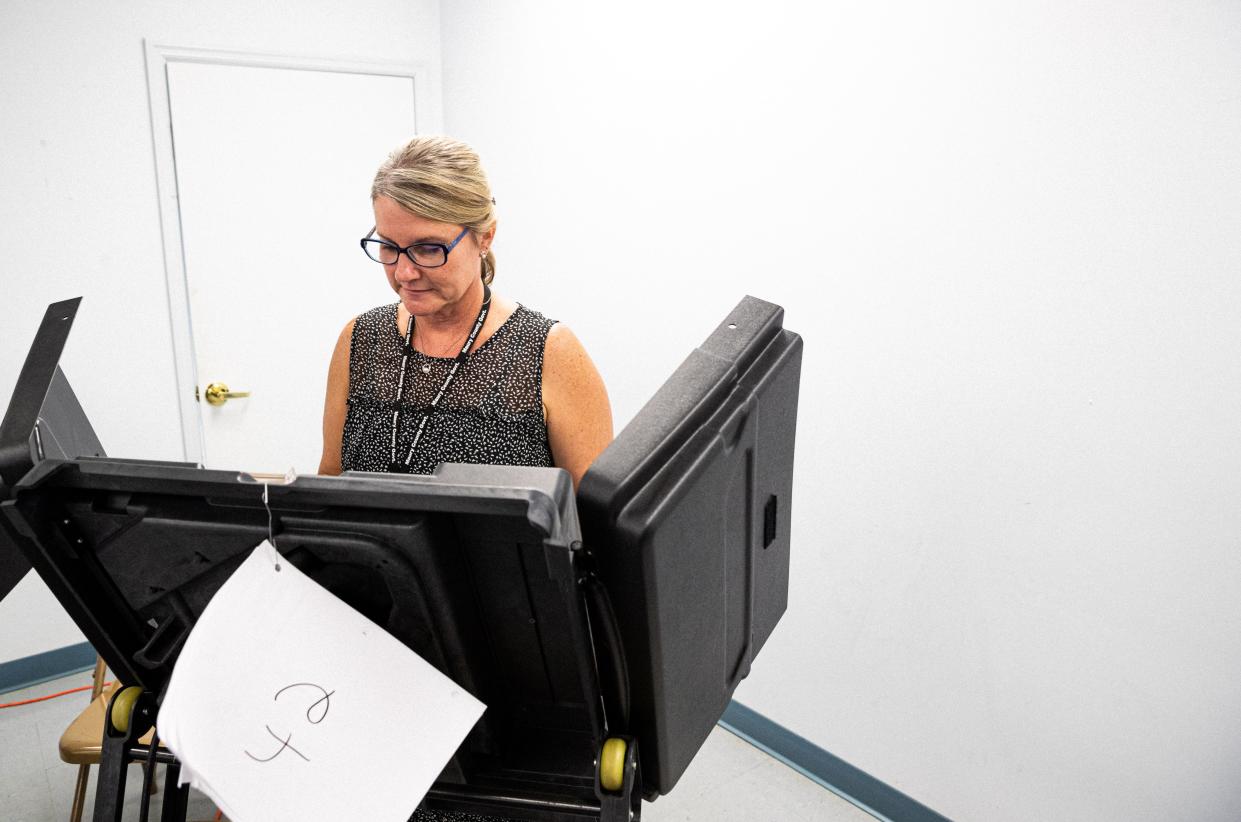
631, 612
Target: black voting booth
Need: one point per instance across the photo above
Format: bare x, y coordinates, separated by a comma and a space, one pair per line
605, 633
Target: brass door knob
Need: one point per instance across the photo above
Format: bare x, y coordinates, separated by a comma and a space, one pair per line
218, 394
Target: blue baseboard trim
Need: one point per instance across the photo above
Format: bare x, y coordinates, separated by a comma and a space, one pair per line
877, 798
31, 670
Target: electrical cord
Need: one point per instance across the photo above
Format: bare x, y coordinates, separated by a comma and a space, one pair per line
49, 696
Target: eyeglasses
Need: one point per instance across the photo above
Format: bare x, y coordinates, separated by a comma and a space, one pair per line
424, 255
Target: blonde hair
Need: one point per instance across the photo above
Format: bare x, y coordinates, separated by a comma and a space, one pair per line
441, 179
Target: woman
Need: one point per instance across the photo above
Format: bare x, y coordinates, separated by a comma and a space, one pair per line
453, 372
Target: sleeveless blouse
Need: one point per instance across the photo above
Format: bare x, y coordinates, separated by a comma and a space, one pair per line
492, 414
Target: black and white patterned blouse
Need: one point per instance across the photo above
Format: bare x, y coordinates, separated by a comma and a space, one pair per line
492, 413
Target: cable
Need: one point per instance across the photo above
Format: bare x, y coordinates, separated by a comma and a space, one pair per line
148, 777
50, 696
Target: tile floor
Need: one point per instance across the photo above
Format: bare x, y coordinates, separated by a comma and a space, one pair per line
729, 780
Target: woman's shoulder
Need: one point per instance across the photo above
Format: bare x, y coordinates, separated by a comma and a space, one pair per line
532, 320
373, 326
375, 317
366, 335
515, 324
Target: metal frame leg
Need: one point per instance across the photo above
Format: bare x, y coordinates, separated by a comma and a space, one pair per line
176, 799
116, 756
110, 792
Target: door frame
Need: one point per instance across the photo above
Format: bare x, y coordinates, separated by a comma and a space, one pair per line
427, 119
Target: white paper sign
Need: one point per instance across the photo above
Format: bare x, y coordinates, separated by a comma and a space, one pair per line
287, 704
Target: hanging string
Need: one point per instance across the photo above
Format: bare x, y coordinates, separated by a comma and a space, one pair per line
271, 533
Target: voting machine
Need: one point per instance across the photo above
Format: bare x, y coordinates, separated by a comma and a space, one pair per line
605, 631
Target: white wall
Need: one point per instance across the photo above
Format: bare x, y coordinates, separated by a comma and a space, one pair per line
1009, 236
78, 170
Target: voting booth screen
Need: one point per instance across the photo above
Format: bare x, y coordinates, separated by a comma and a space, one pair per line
641, 620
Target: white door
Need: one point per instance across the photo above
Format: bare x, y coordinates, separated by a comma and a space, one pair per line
273, 169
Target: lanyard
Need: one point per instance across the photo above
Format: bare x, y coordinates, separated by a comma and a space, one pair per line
399, 467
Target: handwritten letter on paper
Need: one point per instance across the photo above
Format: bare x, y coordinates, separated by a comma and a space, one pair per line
287, 704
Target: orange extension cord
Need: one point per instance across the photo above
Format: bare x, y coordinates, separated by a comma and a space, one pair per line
50, 696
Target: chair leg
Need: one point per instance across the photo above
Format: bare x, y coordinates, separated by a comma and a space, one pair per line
101, 670
79, 791
79, 794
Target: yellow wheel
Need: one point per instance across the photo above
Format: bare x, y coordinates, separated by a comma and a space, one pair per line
612, 765
123, 707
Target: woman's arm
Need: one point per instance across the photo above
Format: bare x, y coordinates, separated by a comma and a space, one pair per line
579, 417
334, 408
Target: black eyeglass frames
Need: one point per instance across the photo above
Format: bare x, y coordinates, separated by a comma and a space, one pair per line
424, 255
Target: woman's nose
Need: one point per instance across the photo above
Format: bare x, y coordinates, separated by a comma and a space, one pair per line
405, 268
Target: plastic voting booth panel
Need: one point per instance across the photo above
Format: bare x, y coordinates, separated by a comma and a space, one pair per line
44, 420
688, 513
635, 624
